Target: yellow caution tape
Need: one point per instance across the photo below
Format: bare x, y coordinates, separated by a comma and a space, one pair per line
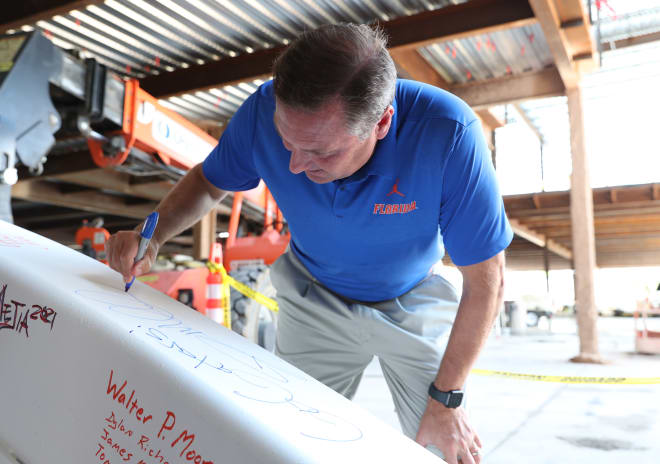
272, 305
253, 294
570, 379
244, 289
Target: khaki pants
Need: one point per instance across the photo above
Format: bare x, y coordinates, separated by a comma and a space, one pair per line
333, 338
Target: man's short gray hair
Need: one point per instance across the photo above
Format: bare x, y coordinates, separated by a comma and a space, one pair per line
345, 61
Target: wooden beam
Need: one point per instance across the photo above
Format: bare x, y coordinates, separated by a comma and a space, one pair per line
533, 259
549, 20
109, 179
575, 26
489, 119
417, 67
511, 89
636, 197
632, 224
467, 19
97, 202
630, 42
631, 258
463, 20
529, 122
540, 240
489, 122
565, 27
13, 15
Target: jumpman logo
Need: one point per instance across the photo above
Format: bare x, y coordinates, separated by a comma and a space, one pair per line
395, 189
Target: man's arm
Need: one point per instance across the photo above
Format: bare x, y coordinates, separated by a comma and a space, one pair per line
447, 428
190, 199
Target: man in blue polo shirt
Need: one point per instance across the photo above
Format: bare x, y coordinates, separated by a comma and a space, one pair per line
376, 178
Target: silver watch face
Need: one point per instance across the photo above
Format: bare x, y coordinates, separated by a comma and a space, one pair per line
451, 399
455, 399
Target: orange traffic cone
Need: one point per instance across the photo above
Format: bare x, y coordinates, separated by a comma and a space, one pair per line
215, 308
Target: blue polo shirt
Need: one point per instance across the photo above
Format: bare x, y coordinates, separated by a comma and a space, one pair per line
429, 186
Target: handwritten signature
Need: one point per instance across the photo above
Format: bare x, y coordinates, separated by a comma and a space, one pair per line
258, 380
16, 315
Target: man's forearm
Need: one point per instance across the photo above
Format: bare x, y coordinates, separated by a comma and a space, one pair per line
479, 306
188, 201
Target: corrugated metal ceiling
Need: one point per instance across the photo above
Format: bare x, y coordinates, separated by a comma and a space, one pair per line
137, 38
622, 19
496, 54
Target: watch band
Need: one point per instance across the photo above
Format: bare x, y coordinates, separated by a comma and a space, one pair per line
451, 399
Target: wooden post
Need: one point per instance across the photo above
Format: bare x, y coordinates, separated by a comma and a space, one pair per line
584, 243
204, 235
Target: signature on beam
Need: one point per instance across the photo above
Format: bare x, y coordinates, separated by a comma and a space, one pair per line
257, 379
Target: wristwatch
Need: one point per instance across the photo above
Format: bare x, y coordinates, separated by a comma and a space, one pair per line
451, 399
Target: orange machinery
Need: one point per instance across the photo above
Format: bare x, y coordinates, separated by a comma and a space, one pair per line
124, 128
189, 286
92, 237
152, 128
174, 141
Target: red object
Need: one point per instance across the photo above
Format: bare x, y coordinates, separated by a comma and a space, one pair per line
265, 249
180, 284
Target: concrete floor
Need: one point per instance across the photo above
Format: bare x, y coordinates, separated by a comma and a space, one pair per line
551, 423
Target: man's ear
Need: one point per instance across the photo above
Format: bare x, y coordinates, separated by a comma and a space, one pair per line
383, 125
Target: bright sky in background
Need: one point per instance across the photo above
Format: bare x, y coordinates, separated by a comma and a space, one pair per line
621, 102
622, 132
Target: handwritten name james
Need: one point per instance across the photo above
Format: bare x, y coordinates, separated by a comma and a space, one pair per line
181, 443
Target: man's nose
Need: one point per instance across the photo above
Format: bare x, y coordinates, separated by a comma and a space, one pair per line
298, 162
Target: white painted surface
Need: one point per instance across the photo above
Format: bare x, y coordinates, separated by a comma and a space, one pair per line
184, 375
